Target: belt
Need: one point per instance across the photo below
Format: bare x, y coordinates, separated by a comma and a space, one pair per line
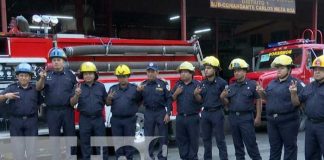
94, 115
57, 107
240, 113
275, 115
155, 108
123, 116
214, 109
25, 116
187, 114
316, 120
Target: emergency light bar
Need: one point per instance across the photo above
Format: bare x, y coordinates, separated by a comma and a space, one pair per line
290, 42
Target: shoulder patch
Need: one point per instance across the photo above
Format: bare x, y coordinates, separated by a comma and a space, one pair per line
163, 80
302, 84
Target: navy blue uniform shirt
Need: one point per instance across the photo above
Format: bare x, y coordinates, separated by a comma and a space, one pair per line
211, 91
241, 96
279, 97
125, 101
92, 99
156, 95
28, 102
186, 101
59, 87
313, 98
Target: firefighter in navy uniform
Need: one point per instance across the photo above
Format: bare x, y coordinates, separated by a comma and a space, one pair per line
312, 96
240, 97
282, 115
157, 102
23, 100
212, 116
58, 86
124, 100
187, 94
91, 97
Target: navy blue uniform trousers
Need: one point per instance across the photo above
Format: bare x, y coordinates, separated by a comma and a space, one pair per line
152, 120
314, 140
23, 127
212, 124
243, 133
58, 118
91, 126
283, 131
124, 127
187, 136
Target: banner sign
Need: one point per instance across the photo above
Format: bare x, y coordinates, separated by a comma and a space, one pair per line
276, 6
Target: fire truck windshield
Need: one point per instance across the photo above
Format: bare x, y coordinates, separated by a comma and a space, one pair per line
264, 60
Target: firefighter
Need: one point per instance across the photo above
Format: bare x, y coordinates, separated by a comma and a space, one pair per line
312, 96
282, 115
91, 97
23, 100
187, 94
157, 102
58, 87
124, 100
240, 97
212, 116
58, 83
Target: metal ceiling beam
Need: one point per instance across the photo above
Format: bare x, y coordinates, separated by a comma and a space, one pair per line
4, 16
183, 17
315, 9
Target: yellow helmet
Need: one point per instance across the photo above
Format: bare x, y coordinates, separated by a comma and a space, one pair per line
211, 60
318, 62
282, 60
88, 67
122, 70
186, 66
238, 63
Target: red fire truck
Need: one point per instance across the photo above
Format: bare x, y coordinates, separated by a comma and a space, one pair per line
106, 53
302, 51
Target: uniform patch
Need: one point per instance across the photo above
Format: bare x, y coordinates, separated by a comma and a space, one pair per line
48, 77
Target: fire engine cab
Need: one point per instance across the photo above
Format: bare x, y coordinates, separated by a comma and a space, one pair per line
302, 51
